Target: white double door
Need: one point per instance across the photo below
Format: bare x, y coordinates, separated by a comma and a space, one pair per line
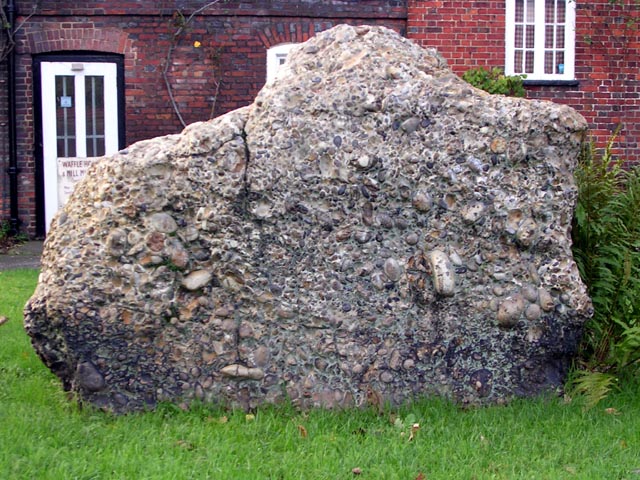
79, 124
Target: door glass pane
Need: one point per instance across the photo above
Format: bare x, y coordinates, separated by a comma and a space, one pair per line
65, 116
94, 100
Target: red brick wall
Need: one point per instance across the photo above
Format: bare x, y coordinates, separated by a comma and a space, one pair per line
468, 33
233, 39
608, 68
472, 34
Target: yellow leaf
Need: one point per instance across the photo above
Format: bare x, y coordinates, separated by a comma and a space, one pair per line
223, 419
612, 411
250, 417
303, 431
197, 44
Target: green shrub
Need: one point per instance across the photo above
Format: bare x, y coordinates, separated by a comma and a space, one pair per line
8, 238
495, 81
606, 247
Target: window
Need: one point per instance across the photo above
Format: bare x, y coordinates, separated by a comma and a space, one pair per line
276, 57
541, 39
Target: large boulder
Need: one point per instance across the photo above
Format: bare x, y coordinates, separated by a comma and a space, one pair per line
371, 228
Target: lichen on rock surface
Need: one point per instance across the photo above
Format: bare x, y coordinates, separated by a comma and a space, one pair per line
371, 223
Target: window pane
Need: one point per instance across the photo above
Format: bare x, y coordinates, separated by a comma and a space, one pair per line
548, 36
520, 11
530, 36
519, 43
94, 98
65, 116
560, 60
531, 11
549, 64
560, 37
562, 11
528, 62
550, 11
517, 61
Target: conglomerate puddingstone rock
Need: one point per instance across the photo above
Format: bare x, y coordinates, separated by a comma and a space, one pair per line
371, 227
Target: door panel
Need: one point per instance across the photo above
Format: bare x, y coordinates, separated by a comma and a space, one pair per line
79, 124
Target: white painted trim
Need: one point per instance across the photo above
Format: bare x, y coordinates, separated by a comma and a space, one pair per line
275, 55
510, 32
569, 38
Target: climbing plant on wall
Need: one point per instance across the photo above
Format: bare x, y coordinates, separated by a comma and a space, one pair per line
7, 39
181, 22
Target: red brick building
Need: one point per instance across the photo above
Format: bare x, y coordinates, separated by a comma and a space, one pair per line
596, 41
91, 77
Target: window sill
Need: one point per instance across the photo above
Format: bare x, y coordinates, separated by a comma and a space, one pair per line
550, 83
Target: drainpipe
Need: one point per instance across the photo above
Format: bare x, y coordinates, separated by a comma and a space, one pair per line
14, 221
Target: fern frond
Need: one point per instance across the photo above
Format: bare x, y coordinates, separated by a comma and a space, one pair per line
606, 248
593, 387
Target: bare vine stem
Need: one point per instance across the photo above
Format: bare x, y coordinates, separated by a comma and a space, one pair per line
5, 49
165, 71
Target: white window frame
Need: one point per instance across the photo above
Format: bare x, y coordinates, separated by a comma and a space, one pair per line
276, 56
539, 44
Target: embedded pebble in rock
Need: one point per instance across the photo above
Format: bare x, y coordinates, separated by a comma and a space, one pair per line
546, 300
443, 274
243, 372
530, 293
162, 222
412, 238
422, 201
89, 377
473, 212
392, 269
196, 280
371, 223
532, 312
510, 310
526, 232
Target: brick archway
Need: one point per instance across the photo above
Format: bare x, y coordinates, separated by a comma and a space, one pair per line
291, 32
53, 38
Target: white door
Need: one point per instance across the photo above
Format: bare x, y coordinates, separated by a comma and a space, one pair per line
79, 124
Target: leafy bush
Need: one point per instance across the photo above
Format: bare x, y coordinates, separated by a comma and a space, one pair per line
495, 81
606, 247
8, 238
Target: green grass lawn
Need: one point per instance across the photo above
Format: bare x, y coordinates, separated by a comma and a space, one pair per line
43, 435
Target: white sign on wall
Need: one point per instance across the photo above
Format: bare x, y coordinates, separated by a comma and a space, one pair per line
70, 171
